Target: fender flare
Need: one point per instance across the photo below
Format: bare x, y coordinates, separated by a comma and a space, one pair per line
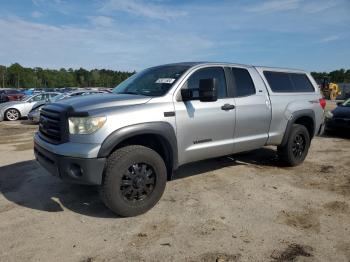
163, 129
295, 115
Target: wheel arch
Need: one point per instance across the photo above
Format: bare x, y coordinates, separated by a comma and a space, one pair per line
305, 117
159, 136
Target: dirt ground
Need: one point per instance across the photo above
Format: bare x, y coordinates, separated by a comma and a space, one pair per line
242, 208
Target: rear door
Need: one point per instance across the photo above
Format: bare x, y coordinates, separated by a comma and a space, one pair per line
253, 109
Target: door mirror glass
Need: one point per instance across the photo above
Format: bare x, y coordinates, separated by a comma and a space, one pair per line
208, 91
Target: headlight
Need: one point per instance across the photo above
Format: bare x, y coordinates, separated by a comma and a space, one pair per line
328, 114
85, 125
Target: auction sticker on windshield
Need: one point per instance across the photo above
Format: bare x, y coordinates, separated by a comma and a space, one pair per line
165, 80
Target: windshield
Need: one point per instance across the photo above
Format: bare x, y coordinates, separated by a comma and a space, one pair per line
155, 81
58, 97
26, 98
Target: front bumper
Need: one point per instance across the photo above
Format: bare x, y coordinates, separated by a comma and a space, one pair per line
34, 116
338, 124
87, 171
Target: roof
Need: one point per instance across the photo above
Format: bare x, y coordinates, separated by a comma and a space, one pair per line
191, 64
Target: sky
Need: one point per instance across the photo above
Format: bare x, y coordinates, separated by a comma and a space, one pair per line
134, 34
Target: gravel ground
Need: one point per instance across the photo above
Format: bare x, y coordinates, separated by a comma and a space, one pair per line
240, 208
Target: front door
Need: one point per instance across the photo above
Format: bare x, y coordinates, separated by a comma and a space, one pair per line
205, 129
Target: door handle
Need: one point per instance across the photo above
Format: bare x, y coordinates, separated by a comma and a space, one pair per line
227, 107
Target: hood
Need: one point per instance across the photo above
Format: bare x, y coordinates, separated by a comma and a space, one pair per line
91, 102
341, 112
8, 104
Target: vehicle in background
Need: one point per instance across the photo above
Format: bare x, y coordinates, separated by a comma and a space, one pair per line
28, 92
345, 91
329, 90
35, 91
34, 114
339, 118
7, 95
16, 109
129, 142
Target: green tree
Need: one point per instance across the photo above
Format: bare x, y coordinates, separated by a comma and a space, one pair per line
3, 71
15, 72
18, 76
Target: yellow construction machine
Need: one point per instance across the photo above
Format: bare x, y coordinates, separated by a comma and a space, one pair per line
329, 90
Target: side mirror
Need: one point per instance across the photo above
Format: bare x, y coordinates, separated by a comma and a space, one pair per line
186, 95
208, 91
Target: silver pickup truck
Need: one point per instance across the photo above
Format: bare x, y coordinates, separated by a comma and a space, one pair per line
129, 142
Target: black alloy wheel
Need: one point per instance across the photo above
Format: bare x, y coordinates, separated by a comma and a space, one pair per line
298, 146
138, 182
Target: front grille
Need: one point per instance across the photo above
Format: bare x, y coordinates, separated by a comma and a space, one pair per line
53, 124
49, 125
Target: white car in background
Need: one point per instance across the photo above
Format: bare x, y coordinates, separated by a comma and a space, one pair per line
34, 114
14, 110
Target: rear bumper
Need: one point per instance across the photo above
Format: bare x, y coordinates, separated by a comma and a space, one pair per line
321, 129
86, 171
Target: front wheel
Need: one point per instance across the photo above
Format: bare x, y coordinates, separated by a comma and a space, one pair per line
134, 180
295, 150
12, 114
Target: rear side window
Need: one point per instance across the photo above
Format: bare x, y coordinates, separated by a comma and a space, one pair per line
288, 82
301, 83
279, 82
243, 81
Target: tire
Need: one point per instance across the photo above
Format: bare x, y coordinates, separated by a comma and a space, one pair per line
12, 114
127, 187
296, 148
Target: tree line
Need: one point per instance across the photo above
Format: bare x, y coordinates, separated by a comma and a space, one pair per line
17, 76
336, 76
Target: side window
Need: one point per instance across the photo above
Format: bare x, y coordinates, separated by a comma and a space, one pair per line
40, 98
36, 98
244, 83
46, 97
205, 73
301, 83
279, 82
288, 82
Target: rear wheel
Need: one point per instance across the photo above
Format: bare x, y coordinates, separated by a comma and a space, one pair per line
12, 114
134, 180
296, 148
